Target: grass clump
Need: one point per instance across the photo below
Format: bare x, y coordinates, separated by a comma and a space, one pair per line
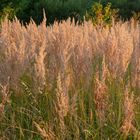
69, 81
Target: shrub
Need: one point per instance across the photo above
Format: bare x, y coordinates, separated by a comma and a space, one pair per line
101, 15
7, 9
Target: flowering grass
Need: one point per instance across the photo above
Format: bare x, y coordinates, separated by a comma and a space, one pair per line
69, 81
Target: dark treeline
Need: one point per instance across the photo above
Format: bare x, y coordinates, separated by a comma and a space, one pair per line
60, 9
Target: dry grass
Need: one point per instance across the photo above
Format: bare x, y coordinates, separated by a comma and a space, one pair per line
71, 77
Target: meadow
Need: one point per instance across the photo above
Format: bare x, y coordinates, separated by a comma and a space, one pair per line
69, 81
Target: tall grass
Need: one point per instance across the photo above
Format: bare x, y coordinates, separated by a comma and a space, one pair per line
69, 81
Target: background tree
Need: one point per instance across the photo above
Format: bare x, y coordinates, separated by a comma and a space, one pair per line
61, 9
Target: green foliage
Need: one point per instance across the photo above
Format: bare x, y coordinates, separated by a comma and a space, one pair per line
55, 10
62, 9
7, 11
125, 7
101, 15
8, 8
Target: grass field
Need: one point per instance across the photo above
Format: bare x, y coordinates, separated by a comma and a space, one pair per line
69, 81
